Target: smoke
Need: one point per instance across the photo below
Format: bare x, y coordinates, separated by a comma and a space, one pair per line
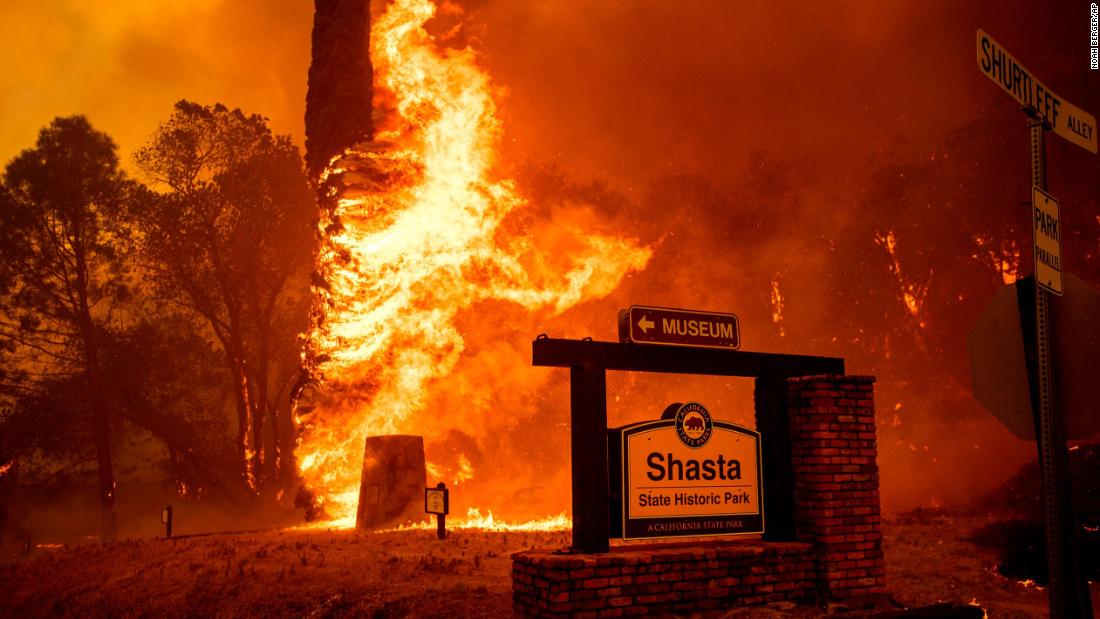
745, 142
124, 63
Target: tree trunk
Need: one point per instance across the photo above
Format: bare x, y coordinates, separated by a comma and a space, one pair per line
263, 367
256, 410
9, 475
244, 426
101, 414
101, 428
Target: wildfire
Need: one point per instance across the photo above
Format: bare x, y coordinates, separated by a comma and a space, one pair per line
474, 520
777, 304
465, 470
912, 293
1005, 257
421, 231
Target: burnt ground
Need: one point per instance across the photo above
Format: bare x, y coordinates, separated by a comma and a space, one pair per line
930, 557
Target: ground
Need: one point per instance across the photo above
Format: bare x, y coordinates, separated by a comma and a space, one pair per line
325, 573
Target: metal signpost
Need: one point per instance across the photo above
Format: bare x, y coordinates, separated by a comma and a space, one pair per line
1068, 589
1002, 357
1047, 241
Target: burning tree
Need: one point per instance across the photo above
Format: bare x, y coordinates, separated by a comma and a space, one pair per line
231, 240
417, 230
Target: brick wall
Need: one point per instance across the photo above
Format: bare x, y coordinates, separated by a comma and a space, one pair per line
835, 550
836, 494
659, 580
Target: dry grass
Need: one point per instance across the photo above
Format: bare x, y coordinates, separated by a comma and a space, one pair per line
295, 572
410, 573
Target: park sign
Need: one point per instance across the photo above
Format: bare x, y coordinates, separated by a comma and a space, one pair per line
690, 475
1064, 118
641, 324
1047, 241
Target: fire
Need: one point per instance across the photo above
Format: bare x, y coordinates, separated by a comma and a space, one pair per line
1004, 257
912, 293
777, 304
421, 231
465, 470
474, 520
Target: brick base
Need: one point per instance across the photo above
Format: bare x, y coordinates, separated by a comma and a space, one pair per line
836, 492
833, 551
662, 579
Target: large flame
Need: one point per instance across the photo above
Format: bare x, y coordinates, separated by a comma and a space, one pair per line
418, 235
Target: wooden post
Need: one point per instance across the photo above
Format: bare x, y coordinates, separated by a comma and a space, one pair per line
441, 519
166, 518
588, 438
773, 421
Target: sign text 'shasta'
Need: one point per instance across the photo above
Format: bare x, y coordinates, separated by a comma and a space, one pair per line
690, 475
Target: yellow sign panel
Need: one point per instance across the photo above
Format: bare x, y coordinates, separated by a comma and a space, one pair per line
1048, 241
435, 501
690, 476
1066, 120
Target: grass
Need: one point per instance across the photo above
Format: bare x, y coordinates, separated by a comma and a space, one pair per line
324, 573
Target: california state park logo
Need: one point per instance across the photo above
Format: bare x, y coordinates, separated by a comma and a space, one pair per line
693, 424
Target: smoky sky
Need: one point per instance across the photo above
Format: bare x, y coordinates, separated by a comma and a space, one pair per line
624, 90
632, 90
124, 63
628, 92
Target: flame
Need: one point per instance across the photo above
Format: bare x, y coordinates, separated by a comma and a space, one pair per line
974, 602
777, 304
5, 468
912, 294
1004, 257
474, 520
419, 233
465, 470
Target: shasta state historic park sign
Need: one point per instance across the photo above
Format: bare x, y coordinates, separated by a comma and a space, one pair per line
690, 475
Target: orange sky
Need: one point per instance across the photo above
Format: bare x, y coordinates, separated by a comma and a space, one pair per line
124, 63
623, 90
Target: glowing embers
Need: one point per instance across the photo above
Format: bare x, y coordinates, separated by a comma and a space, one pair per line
912, 294
475, 520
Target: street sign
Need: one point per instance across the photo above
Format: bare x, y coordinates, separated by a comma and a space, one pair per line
676, 327
1048, 241
1002, 348
1065, 119
690, 476
1068, 589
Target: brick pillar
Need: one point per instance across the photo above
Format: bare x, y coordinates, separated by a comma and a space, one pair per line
836, 495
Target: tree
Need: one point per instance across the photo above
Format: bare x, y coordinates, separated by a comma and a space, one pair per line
61, 274
166, 381
232, 238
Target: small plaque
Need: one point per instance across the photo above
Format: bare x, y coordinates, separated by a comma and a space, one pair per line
437, 501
